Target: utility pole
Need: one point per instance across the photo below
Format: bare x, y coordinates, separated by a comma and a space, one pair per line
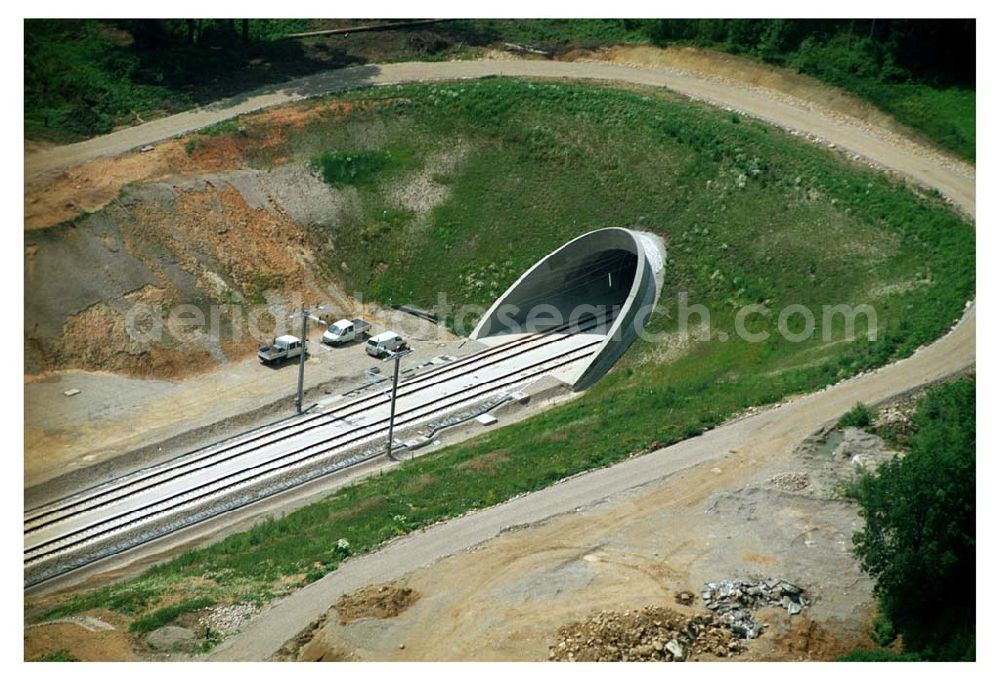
306, 316
394, 356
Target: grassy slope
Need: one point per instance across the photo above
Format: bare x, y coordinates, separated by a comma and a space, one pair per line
749, 215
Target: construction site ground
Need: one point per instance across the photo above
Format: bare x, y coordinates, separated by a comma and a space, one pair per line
752, 511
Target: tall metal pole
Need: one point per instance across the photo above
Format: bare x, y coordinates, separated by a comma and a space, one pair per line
392, 403
302, 362
306, 316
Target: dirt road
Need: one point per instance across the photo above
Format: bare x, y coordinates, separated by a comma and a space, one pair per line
953, 180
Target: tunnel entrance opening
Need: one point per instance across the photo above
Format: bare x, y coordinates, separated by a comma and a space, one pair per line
585, 294
601, 286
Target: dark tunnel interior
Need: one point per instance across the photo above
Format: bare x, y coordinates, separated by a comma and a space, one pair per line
585, 290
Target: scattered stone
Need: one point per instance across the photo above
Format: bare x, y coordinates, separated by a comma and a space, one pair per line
684, 598
863, 449
652, 633
71, 392
790, 481
169, 636
675, 649
734, 601
227, 618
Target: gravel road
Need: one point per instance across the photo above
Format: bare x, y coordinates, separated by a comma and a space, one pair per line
775, 431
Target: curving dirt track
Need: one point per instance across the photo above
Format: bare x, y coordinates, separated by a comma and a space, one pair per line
952, 180
672, 480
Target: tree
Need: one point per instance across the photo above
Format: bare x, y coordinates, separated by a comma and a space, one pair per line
918, 542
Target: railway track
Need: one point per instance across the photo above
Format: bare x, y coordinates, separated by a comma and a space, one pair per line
44, 515
106, 515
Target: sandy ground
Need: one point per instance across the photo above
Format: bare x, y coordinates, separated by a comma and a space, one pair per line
89, 638
506, 599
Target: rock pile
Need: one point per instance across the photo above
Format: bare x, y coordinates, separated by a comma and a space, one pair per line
650, 634
733, 601
790, 481
227, 618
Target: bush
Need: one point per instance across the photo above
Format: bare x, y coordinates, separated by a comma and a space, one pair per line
354, 167
859, 416
918, 542
883, 633
58, 656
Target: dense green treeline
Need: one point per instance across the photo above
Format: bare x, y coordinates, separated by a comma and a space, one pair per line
84, 77
922, 71
919, 538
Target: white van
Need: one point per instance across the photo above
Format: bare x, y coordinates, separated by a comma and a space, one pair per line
383, 344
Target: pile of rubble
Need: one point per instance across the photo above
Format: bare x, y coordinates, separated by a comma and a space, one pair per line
733, 601
790, 481
227, 618
650, 634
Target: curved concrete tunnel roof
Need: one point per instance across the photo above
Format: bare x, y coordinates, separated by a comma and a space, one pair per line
603, 282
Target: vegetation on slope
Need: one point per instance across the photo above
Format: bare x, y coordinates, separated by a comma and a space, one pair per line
749, 215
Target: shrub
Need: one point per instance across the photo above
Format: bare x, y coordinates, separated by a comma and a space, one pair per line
883, 633
356, 167
58, 656
918, 541
859, 416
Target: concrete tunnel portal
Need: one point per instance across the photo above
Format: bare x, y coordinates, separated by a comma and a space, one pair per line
605, 282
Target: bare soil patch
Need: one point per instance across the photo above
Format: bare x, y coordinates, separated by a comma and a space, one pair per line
197, 242
78, 641
54, 198
375, 601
